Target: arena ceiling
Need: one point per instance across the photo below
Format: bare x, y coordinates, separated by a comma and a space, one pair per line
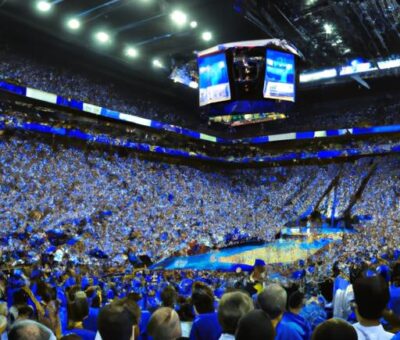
144, 25
328, 32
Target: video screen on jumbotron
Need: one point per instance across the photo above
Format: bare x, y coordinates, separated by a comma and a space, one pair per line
279, 76
213, 79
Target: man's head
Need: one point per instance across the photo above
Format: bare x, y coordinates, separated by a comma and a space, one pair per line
255, 325
232, 307
371, 296
296, 302
259, 266
334, 329
94, 294
119, 320
25, 312
203, 298
164, 324
272, 300
169, 296
79, 307
30, 330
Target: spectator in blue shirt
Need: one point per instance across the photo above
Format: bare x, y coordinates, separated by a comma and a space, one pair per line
169, 297
272, 300
79, 311
205, 325
396, 337
293, 318
90, 322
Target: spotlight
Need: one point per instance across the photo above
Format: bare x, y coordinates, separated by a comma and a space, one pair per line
206, 36
157, 63
355, 62
131, 52
194, 85
193, 24
178, 17
102, 37
74, 24
43, 6
328, 28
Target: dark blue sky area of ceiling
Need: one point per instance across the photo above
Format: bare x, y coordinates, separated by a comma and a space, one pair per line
130, 22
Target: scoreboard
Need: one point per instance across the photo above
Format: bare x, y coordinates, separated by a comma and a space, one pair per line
248, 77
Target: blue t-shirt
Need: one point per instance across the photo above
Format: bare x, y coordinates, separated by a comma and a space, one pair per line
298, 324
286, 331
206, 327
90, 322
339, 283
314, 313
394, 302
396, 337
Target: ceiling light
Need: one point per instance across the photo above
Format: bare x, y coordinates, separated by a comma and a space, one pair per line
386, 64
102, 37
328, 28
43, 6
194, 85
355, 62
74, 24
157, 63
206, 36
324, 74
178, 17
193, 24
131, 52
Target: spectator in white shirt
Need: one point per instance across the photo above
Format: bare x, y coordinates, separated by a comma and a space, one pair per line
334, 329
371, 298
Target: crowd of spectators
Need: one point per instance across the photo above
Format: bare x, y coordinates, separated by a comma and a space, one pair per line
130, 205
43, 73
79, 227
70, 216
81, 85
15, 115
53, 299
